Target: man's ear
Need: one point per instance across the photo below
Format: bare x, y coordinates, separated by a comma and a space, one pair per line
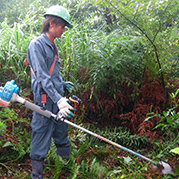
51, 25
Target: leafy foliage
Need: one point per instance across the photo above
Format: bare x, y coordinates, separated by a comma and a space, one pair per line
149, 20
15, 135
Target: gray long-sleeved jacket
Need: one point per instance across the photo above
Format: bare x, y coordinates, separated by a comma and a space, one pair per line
41, 55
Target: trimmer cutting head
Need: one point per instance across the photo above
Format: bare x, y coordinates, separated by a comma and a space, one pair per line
166, 167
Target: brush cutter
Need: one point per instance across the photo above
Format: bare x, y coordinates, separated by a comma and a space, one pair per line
8, 94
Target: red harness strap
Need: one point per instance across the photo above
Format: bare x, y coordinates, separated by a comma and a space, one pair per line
43, 96
53, 65
51, 68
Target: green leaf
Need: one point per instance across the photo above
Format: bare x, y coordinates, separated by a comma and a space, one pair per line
127, 159
150, 117
7, 144
159, 125
176, 150
169, 120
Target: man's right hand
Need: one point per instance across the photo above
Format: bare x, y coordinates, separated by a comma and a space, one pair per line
65, 107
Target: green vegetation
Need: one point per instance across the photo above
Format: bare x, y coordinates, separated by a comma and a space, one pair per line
123, 58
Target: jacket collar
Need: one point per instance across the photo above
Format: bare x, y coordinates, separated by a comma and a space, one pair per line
47, 41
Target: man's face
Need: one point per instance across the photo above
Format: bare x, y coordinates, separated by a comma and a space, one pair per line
57, 30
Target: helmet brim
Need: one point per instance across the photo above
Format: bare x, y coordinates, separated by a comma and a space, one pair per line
67, 23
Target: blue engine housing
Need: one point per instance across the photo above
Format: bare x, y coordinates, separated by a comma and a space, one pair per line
7, 91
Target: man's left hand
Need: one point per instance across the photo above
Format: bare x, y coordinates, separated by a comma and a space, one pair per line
69, 86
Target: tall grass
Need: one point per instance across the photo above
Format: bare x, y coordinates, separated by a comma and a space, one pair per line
91, 56
13, 42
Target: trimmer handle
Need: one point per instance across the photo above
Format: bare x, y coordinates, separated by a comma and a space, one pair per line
74, 101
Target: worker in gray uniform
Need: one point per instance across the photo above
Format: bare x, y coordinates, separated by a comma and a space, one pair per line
48, 87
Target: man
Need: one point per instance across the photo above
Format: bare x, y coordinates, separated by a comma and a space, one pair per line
48, 87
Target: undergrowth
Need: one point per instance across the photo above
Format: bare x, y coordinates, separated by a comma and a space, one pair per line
90, 157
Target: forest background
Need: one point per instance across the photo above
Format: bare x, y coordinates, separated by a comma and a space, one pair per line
123, 57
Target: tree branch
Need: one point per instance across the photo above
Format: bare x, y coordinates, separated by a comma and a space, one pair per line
154, 46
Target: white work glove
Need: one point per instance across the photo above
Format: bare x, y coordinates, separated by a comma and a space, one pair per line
65, 107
